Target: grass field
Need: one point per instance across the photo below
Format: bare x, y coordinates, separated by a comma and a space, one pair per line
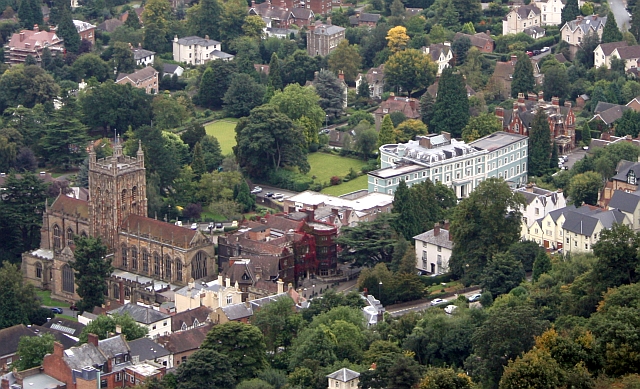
224, 131
347, 187
324, 166
45, 297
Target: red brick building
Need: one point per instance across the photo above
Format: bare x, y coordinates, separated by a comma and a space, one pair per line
562, 119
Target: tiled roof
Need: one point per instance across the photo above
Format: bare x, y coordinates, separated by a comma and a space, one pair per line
261, 68
603, 106
625, 201
140, 53
138, 75
140, 314
612, 114
82, 26
70, 206
33, 39
170, 68
629, 52
504, 70
9, 338
302, 13
182, 341
110, 25
113, 346
181, 236
201, 314
623, 170
83, 356
525, 10
237, 311
587, 23
607, 48
478, 40
400, 104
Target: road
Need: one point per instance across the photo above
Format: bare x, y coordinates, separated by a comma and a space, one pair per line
618, 7
402, 309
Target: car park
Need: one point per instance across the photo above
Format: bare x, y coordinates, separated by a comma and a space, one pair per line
194, 226
435, 302
475, 297
256, 190
56, 310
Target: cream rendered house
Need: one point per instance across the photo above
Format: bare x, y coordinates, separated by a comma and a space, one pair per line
629, 204
551, 11
440, 53
602, 55
214, 294
343, 379
520, 18
194, 50
574, 229
538, 203
574, 31
433, 250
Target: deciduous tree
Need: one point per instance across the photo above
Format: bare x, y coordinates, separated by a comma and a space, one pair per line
332, 93
397, 39
410, 70
105, 324
346, 59
17, 298
584, 188
502, 273
32, 350
480, 126
243, 95
368, 243
445, 378
91, 269
206, 369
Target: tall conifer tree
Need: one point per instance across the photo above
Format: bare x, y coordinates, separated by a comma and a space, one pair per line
539, 144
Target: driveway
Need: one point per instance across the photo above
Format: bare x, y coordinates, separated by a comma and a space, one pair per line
618, 7
404, 308
574, 157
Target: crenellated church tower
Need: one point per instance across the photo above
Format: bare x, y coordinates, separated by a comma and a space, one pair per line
117, 188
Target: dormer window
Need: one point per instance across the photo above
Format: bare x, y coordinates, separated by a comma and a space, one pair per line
631, 177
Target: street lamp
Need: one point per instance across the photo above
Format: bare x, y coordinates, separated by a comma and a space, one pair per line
305, 292
313, 290
379, 290
326, 121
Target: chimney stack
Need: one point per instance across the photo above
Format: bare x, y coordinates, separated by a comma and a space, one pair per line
92, 339
579, 18
541, 96
21, 36
58, 349
436, 229
500, 112
567, 104
555, 101
280, 286
514, 59
520, 98
4, 384
36, 28
530, 187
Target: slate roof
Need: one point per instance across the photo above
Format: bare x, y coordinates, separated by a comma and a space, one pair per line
364, 17
110, 25
182, 341
585, 224
302, 13
221, 54
140, 314
169, 68
504, 70
65, 340
66, 326
84, 356
237, 311
435, 49
625, 201
188, 317
323, 29
9, 338
607, 48
543, 195
441, 240
196, 40
560, 58
591, 22
603, 106
344, 375
70, 206
533, 30
140, 53
612, 114
113, 346
623, 170
147, 350
180, 236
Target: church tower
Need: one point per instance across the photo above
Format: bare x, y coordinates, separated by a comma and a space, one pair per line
117, 188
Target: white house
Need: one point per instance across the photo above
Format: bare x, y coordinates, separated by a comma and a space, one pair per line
194, 50
156, 322
433, 250
539, 202
143, 57
343, 379
440, 53
551, 11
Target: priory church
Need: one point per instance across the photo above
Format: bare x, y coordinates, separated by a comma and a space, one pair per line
149, 256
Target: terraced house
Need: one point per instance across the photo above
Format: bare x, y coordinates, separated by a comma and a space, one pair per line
456, 164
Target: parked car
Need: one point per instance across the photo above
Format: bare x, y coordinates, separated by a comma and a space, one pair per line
211, 226
536, 52
73, 307
256, 190
545, 49
435, 302
475, 297
278, 196
219, 226
450, 308
269, 194
530, 53
234, 223
56, 310
179, 223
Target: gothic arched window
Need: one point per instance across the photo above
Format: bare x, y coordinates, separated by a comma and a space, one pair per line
134, 258
116, 291
70, 235
83, 234
124, 199
156, 264
57, 235
38, 270
199, 265
68, 282
125, 259
178, 270
167, 267
145, 261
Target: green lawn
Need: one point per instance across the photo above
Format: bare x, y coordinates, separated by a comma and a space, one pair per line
67, 317
45, 297
347, 187
224, 131
324, 166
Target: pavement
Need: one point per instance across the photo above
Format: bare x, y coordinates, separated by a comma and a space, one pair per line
618, 7
398, 310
